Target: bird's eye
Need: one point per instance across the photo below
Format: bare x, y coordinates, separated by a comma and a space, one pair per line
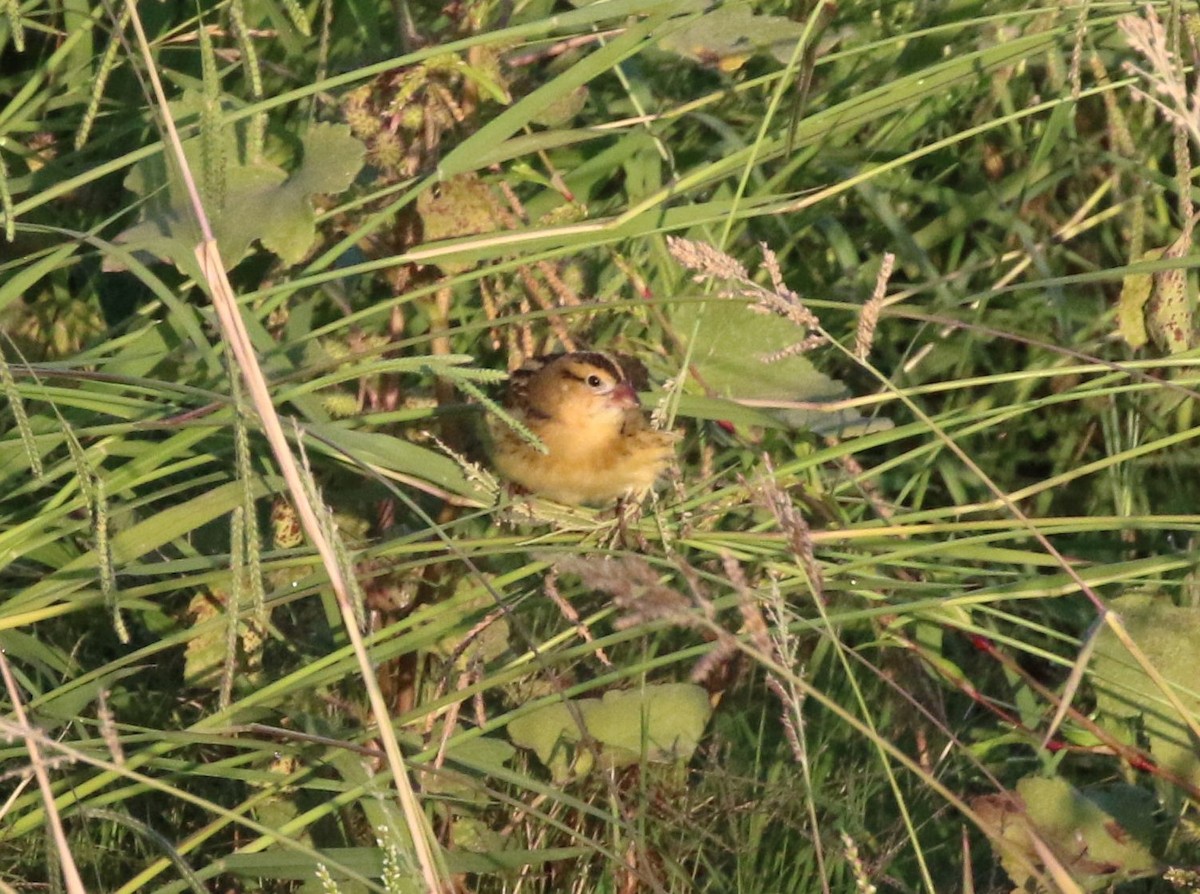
594, 381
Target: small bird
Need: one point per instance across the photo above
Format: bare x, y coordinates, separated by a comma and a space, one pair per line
583, 408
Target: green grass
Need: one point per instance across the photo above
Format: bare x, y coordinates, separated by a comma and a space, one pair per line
893, 575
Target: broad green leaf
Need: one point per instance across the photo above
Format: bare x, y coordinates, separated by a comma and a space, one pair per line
255, 200
728, 36
1169, 636
656, 723
1099, 836
1092, 842
728, 354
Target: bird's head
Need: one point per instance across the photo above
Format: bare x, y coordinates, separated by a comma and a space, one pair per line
580, 388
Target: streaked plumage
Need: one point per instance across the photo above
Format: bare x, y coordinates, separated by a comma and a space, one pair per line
584, 409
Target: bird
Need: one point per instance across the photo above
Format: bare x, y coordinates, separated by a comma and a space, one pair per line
584, 410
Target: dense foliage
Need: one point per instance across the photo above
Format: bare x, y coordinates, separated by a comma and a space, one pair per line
916, 609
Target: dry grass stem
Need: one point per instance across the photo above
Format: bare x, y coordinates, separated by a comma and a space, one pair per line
71, 878
108, 728
752, 619
788, 717
713, 665
720, 663
785, 651
862, 881
637, 593
864, 335
868, 487
777, 501
467, 655
634, 587
706, 261
777, 648
550, 585
1180, 106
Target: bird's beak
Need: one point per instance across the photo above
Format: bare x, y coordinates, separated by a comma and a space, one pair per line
624, 396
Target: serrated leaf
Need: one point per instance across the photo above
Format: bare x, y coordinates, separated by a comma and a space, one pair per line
332, 159
674, 715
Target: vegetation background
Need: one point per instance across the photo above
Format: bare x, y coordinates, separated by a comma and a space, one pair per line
917, 609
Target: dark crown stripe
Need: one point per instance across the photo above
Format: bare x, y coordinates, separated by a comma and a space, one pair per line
600, 361
517, 396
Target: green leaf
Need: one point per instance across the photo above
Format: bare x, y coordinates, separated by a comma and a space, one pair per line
1131, 305
258, 201
1093, 843
1169, 636
69, 701
396, 454
728, 352
728, 36
1099, 836
655, 723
